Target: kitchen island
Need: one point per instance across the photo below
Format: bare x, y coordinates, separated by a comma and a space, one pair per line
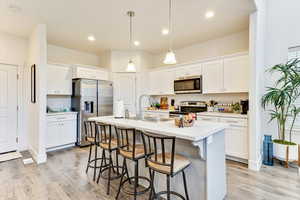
203, 144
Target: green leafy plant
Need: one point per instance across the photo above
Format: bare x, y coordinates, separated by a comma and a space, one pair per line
236, 107
281, 98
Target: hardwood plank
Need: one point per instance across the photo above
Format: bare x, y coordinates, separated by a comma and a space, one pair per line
63, 178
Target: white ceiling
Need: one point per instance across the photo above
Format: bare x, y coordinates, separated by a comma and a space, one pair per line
71, 21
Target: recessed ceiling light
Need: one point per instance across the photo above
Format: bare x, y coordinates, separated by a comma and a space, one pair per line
209, 14
136, 43
91, 38
165, 31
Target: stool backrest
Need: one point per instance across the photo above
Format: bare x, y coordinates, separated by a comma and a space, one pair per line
126, 138
156, 151
90, 129
105, 134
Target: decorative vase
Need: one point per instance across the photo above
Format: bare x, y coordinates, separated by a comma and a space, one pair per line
268, 151
280, 152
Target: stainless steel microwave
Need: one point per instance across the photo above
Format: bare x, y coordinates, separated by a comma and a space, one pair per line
192, 84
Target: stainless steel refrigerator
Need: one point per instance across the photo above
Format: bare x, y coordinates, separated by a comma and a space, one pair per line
90, 98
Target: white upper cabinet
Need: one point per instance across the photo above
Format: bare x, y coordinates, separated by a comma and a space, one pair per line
236, 74
161, 82
228, 75
212, 74
90, 73
59, 79
188, 70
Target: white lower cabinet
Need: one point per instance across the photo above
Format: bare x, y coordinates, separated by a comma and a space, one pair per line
236, 136
61, 130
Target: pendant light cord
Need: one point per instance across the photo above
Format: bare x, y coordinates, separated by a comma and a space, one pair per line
170, 25
130, 32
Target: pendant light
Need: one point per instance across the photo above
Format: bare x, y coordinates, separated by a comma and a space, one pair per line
170, 56
131, 65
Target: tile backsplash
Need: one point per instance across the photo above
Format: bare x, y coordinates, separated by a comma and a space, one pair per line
58, 102
220, 98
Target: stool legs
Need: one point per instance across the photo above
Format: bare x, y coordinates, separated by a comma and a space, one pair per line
122, 176
152, 190
110, 165
95, 164
90, 154
168, 188
136, 178
185, 186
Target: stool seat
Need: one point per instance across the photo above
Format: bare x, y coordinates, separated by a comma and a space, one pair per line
139, 151
180, 162
90, 139
113, 144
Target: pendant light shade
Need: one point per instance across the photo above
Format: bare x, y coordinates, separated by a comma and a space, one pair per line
170, 58
131, 66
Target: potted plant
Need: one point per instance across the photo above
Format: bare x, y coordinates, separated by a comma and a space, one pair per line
236, 108
281, 101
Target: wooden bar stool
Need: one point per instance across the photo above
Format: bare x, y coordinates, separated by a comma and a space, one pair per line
92, 137
129, 149
168, 163
108, 143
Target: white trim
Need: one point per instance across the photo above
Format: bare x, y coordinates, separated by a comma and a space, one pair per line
60, 147
38, 158
255, 164
20, 103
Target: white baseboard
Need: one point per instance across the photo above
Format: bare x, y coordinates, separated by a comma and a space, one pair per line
255, 165
38, 158
60, 147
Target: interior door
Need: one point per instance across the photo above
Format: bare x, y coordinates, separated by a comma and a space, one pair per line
8, 108
125, 90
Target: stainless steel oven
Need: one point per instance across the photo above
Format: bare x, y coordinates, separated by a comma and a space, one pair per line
187, 107
192, 84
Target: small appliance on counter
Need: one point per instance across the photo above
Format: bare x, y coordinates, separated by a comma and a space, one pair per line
164, 105
187, 107
119, 109
245, 106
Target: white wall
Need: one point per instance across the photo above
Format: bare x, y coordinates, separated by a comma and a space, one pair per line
13, 50
63, 55
35, 113
257, 57
142, 60
283, 31
237, 42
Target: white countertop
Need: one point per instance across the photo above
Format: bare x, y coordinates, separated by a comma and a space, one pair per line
219, 114
199, 131
61, 113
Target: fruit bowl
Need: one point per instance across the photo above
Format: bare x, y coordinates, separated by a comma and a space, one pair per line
185, 121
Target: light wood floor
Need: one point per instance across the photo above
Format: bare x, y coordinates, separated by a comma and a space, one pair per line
64, 178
